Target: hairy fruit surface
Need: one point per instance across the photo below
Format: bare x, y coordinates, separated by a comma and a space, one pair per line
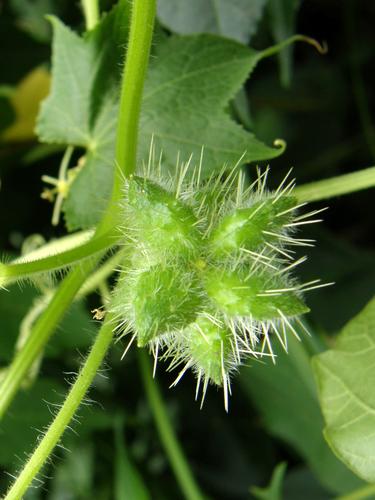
208, 280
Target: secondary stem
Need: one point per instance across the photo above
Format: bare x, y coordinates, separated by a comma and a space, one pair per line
91, 12
64, 416
336, 186
170, 442
16, 270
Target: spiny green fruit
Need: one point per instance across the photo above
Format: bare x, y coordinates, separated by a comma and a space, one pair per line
252, 227
207, 282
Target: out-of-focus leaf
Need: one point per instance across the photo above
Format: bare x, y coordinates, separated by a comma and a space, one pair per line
31, 17
349, 267
6, 109
128, 483
274, 491
73, 477
300, 483
285, 396
28, 416
25, 100
189, 84
346, 381
76, 331
283, 19
236, 19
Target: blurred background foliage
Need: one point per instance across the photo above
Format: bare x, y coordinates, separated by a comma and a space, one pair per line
322, 106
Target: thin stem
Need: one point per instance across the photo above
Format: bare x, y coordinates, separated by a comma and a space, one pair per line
141, 29
275, 49
336, 186
91, 13
105, 270
359, 494
170, 442
23, 269
138, 51
66, 413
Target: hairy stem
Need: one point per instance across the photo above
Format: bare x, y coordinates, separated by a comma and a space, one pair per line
23, 269
170, 442
91, 13
139, 48
137, 55
336, 186
67, 411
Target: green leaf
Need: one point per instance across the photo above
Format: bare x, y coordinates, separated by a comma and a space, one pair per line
189, 84
81, 109
346, 379
274, 490
30, 412
285, 396
283, 15
128, 482
236, 19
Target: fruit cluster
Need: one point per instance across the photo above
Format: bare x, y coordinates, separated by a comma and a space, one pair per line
208, 279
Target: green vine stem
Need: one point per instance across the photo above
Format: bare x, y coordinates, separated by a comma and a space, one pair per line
367, 491
67, 411
141, 21
170, 442
22, 269
137, 56
336, 186
91, 13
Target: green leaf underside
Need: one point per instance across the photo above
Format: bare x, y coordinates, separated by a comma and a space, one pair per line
346, 381
189, 84
234, 19
277, 391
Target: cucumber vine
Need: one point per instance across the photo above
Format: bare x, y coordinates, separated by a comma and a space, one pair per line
205, 262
